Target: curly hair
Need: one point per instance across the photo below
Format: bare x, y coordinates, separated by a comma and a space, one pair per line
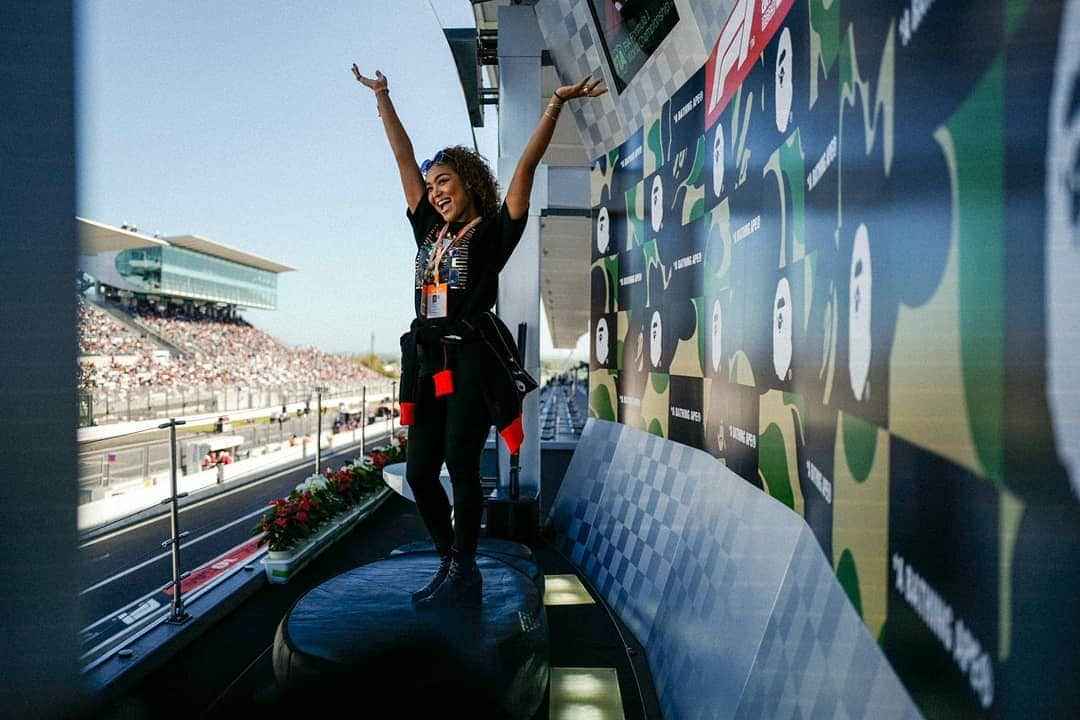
477, 176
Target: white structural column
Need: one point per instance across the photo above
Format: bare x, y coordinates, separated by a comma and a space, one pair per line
520, 46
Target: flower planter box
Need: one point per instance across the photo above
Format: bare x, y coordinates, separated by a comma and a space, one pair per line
280, 566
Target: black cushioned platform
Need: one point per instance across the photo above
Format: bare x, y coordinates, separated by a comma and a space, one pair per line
513, 553
484, 546
358, 637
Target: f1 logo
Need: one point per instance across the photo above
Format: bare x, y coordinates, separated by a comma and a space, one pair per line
733, 47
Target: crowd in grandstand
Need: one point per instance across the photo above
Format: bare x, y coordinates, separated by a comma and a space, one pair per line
99, 334
215, 348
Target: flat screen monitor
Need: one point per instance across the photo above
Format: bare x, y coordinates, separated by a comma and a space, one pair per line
630, 30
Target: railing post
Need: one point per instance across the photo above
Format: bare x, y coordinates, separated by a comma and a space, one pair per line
363, 419
393, 402
178, 615
318, 427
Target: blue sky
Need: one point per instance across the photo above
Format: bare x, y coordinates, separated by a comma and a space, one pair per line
241, 122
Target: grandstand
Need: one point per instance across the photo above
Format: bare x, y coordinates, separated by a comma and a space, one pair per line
159, 317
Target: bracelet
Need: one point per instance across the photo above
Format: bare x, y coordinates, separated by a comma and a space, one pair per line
561, 98
554, 116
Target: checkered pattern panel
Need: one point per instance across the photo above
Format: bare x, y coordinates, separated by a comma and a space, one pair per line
817, 658
710, 17
567, 27
639, 521
573, 513
735, 550
739, 612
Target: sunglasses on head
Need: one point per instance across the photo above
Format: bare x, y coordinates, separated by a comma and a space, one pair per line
440, 158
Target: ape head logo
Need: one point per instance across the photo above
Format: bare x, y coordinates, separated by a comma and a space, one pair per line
860, 290
784, 79
602, 231
657, 203
718, 161
782, 330
1062, 252
715, 344
602, 338
662, 329
656, 339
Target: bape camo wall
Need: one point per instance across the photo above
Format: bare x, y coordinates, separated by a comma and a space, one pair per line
843, 258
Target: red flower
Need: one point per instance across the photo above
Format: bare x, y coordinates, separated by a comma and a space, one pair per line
301, 516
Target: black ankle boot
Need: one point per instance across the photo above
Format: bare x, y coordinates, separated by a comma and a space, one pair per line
463, 587
436, 580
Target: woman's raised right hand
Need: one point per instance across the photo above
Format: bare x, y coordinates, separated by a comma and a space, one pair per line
376, 84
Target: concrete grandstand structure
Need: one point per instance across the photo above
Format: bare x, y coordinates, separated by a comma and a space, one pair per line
160, 328
176, 269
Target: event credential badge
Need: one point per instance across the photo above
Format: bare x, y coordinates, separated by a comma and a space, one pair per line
435, 296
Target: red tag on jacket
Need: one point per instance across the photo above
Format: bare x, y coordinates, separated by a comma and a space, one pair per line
444, 383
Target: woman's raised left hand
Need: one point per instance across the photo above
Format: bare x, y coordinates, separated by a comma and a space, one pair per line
586, 88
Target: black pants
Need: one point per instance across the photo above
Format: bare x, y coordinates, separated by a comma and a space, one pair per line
453, 428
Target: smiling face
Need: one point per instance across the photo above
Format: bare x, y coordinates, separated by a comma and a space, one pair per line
448, 194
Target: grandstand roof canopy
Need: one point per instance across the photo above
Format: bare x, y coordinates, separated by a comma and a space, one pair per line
96, 237
209, 247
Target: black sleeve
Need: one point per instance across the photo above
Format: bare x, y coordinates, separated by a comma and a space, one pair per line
507, 234
422, 219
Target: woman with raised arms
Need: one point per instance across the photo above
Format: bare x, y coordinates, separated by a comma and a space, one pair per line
461, 372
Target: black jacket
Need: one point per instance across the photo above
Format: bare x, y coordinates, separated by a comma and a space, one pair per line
484, 344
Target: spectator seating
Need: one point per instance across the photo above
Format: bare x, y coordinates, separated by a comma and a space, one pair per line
215, 351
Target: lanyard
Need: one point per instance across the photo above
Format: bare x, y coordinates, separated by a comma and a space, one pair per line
445, 240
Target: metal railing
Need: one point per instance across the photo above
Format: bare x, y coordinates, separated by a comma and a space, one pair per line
154, 455
100, 406
109, 466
